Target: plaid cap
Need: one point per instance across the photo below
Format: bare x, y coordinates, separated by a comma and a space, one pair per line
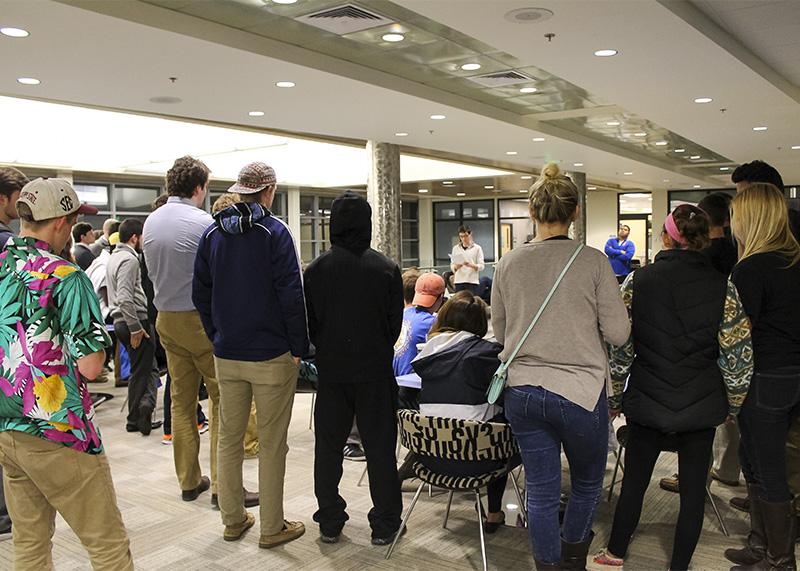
254, 177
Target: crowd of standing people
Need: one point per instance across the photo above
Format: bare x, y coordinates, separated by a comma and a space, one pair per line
703, 340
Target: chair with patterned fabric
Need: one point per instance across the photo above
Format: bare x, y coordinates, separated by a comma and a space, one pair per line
455, 440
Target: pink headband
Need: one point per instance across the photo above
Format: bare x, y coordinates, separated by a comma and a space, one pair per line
672, 230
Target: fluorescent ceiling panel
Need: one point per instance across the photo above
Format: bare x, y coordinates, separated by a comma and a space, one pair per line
81, 139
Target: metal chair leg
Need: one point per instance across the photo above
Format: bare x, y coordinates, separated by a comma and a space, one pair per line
616, 470
313, 406
716, 511
447, 511
405, 520
430, 491
523, 509
363, 475
480, 528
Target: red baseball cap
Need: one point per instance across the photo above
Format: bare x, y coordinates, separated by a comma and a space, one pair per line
429, 288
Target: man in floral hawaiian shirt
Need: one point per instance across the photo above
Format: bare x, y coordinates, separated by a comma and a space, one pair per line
52, 337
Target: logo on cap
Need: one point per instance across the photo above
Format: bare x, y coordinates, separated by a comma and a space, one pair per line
66, 203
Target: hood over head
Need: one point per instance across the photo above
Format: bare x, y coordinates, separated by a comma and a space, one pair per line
240, 217
351, 222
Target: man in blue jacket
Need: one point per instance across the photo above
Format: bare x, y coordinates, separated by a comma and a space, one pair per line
248, 289
620, 251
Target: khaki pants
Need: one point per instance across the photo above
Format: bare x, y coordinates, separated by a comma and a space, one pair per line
251, 435
42, 478
190, 358
272, 385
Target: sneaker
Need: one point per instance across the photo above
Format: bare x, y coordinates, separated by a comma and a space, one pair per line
291, 531
389, 539
167, 439
191, 495
235, 532
669, 484
202, 428
354, 452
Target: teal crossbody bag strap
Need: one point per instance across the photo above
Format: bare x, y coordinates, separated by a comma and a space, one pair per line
500, 376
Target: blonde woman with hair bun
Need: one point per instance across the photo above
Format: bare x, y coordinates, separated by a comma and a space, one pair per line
768, 279
555, 394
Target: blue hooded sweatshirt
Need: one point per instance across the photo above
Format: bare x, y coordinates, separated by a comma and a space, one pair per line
248, 286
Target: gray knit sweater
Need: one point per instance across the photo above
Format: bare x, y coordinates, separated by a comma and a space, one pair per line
566, 352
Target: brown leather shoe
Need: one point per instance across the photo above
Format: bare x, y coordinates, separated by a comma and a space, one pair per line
250, 499
670, 484
291, 531
741, 504
235, 532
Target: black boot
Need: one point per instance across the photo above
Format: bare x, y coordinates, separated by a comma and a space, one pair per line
573, 555
756, 548
547, 566
781, 527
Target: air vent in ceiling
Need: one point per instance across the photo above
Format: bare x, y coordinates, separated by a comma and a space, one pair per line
502, 78
345, 19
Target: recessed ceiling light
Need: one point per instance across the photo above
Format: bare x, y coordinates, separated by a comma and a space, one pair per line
627, 173
591, 188
393, 38
759, 128
285, 84
640, 134
605, 53
423, 190
661, 143
523, 190
471, 66
14, 32
256, 113
284, 1
577, 164
696, 186
528, 90
447, 182
28, 81
526, 177
538, 139
796, 148
724, 168
694, 157
401, 134
612, 123
461, 194
488, 186
703, 100
438, 117
680, 150
166, 100
511, 152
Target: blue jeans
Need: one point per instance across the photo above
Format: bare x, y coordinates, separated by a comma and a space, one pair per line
772, 404
542, 423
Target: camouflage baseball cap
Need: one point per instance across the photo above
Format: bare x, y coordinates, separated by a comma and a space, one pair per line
254, 177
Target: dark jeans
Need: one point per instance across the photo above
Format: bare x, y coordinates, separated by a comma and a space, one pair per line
201, 417
374, 407
641, 452
543, 422
143, 383
772, 403
474, 288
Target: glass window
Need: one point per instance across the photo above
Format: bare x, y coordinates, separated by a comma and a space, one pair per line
306, 205
446, 238
279, 205
133, 199
477, 210
95, 221
447, 210
96, 195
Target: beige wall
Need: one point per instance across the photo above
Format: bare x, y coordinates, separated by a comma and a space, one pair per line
601, 217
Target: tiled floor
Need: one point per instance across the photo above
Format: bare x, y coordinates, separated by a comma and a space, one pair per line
169, 534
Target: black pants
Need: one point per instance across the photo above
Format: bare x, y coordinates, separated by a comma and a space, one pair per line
641, 452
474, 288
772, 404
374, 406
201, 417
143, 383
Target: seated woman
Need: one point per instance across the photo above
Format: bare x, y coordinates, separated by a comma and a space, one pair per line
456, 366
689, 358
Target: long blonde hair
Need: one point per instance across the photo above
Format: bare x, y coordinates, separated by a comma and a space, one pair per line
553, 198
760, 222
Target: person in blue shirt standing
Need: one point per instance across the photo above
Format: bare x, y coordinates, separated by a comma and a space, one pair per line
620, 251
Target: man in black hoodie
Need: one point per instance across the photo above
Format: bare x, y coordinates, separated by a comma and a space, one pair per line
354, 299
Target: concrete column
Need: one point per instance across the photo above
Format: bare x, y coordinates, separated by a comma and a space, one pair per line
579, 226
426, 233
383, 194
